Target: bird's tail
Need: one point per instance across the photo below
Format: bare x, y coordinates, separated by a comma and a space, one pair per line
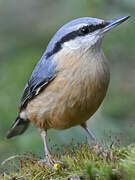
18, 127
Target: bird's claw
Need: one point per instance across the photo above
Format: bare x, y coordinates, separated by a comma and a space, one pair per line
56, 165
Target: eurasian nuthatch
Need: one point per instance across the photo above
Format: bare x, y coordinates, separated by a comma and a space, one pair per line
69, 82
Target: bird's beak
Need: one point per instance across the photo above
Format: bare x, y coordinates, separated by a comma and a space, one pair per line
113, 23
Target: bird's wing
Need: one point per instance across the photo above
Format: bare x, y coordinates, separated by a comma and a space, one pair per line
43, 74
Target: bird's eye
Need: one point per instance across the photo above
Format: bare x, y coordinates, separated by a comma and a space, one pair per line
85, 30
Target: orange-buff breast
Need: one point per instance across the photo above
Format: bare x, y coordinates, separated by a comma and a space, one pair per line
74, 95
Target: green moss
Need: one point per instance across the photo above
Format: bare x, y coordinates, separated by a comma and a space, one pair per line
93, 163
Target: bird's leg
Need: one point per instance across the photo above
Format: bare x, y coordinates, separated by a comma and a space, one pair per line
98, 148
48, 158
90, 133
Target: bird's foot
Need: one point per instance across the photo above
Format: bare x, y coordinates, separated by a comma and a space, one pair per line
45, 162
49, 161
101, 150
98, 148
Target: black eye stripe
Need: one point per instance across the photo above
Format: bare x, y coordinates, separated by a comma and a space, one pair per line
72, 35
92, 28
84, 30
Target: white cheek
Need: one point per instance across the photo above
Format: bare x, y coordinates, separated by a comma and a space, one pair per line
72, 44
90, 40
81, 42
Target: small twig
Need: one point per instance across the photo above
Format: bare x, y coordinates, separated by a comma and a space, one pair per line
25, 176
50, 175
37, 175
21, 177
13, 157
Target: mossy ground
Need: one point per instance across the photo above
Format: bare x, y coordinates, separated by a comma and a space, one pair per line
82, 162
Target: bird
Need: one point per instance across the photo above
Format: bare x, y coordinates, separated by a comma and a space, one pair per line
70, 81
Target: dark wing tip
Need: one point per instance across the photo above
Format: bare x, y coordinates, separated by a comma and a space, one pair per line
18, 127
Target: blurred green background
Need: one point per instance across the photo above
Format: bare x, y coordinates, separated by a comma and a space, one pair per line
25, 30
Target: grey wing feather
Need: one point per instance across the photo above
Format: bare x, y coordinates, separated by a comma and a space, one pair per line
43, 74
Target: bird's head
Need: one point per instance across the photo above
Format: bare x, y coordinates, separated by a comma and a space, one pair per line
82, 33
